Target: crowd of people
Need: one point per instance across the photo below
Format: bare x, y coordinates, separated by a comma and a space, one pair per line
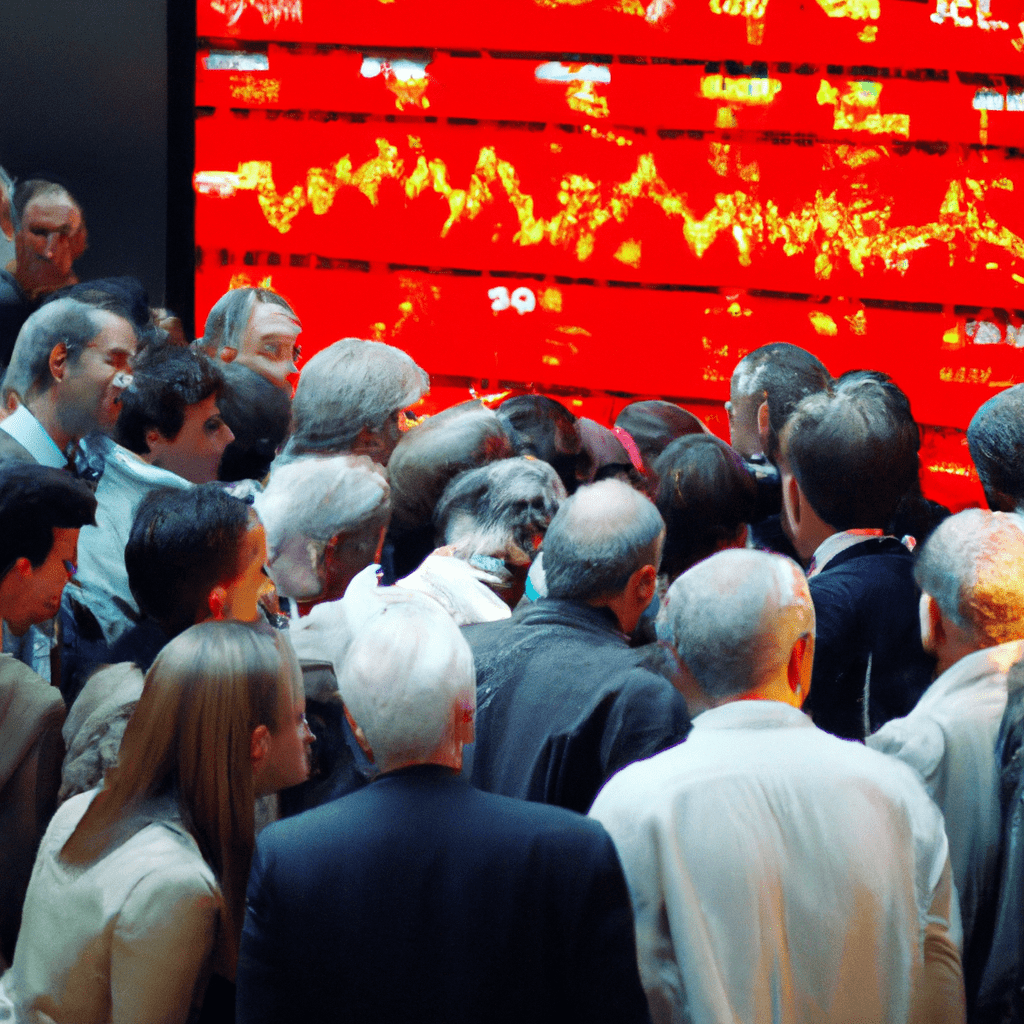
313, 711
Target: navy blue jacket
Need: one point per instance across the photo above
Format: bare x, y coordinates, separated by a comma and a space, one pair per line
866, 604
420, 899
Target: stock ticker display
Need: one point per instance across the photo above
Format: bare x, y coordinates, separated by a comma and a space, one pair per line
603, 200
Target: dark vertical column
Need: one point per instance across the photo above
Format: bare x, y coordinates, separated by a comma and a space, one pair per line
181, 51
83, 95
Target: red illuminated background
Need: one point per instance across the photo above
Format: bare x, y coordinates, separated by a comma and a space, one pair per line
605, 199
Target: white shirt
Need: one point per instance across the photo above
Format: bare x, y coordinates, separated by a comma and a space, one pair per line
126, 938
101, 572
29, 433
460, 588
779, 873
949, 739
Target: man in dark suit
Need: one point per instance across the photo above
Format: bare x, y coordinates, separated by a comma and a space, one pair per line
420, 898
849, 456
563, 702
70, 364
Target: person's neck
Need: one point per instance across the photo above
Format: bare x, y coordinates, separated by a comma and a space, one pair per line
445, 758
45, 411
952, 652
9, 604
32, 288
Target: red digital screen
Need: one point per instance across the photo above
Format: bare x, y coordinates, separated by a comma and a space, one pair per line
609, 199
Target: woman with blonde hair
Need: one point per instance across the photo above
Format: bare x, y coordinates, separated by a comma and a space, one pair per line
138, 890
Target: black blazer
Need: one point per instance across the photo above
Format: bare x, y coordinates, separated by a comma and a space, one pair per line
866, 605
563, 703
420, 899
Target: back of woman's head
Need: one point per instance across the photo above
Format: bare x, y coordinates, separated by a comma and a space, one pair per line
705, 495
191, 733
190, 737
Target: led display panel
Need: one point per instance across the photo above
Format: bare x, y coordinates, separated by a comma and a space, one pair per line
604, 199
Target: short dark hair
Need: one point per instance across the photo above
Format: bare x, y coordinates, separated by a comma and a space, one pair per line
259, 414
995, 437
546, 429
705, 495
784, 374
853, 451
654, 425
425, 461
181, 545
166, 381
124, 296
34, 501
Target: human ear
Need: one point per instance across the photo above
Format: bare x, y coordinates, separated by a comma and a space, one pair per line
791, 498
23, 567
646, 582
228, 354
795, 674
218, 603
58, 361
360, 736
762, 425
933, 628
153, 437
259, 746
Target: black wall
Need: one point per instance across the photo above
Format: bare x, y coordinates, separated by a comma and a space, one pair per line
84, 94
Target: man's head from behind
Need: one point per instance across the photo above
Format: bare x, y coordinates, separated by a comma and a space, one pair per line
69, 366
408, 682
541, 427
325, 518
256, 327
706, 496
766, 387
41, 512
995, 437
603, 547
195, 554
351, 398
971, 574
49, 236
169, 416
851, 456
743, 623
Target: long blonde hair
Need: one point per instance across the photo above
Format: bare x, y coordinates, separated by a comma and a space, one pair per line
191, 736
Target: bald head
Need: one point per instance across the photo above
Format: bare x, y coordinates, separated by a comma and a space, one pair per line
735, 617
598, 539
973, 567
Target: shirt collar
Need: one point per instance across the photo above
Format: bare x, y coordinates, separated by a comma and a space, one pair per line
752, 714
836, 544
29, 433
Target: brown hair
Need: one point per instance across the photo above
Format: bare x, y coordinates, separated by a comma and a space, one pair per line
190, 736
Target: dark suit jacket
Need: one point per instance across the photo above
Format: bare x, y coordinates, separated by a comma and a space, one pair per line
563, 703
419, 899
866, 604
